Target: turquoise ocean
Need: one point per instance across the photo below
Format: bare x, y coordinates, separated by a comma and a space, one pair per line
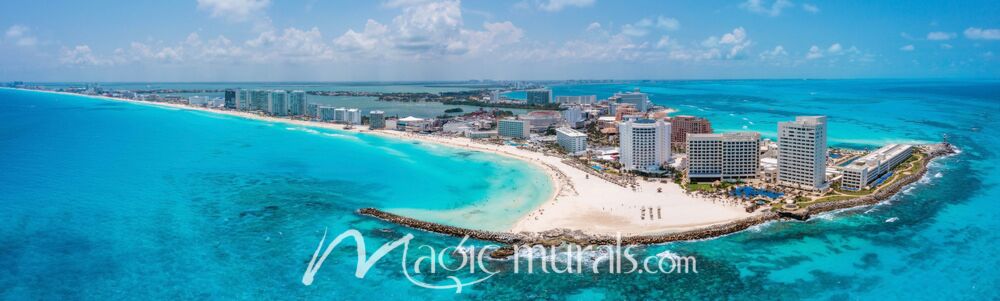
111, 200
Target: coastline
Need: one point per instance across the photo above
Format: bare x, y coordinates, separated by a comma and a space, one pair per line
578, 202
557, 237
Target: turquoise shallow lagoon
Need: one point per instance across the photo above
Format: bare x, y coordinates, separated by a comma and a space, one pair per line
105, 200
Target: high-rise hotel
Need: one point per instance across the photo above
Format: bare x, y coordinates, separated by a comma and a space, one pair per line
802, 153
727, 157
644, 144
297, 104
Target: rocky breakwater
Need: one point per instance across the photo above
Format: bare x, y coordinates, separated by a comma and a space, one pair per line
557, 237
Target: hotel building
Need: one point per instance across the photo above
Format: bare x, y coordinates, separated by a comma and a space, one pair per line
340, 115
325, 113
802, 153
376, 119
514, 128
539, 97
581, 99
573, 116
242, 100
644, 144
353, 116
726, 157
682, 125
864, 171
230, 99
259, 100
571, 140
278, 104
639, 99
297, 104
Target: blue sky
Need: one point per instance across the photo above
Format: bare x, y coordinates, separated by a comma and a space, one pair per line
313, 40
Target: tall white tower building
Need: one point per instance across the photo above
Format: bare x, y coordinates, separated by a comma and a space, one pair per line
644, 143
802, 152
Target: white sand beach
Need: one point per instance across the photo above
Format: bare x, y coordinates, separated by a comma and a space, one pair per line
592, 205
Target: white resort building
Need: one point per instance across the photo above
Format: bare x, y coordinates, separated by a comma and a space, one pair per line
571, 140
644, 144
514, 128
802, 153
639, 99
353, 116
864, 171
727, 157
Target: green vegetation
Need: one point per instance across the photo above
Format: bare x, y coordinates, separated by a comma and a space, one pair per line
453, 110
833, 198
700, 187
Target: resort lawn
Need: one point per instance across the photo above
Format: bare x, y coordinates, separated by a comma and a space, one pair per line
700, 187
833, 198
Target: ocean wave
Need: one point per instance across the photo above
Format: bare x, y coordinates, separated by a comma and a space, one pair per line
302, 129
892, 219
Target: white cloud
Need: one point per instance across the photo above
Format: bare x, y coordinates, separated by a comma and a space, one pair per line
558, 5
666, 23
946, 46
79, 55
835, 48
645, 25
594, 26
976, 33
637, 29
664, 42
233, 10
814, 53
777, 52
16, 31
907, 48
810, 8
730, 46
366, 40
428, 29
940, 36
21, 36
760, 7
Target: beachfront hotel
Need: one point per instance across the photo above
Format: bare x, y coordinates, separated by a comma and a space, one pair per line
802, 153
644, 144
726, 157
326, 113
682, 125
376, 120
230, 99
243, 100
278, 103
539, 96
297, 103
514, 128
639, 99
578, 99
874, 167
571, 140
353, 116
